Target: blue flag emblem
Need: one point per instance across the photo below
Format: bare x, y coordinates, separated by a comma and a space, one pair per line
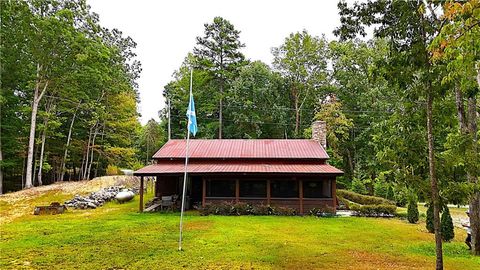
192, 118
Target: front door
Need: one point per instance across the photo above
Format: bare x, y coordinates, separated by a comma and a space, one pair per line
196, 191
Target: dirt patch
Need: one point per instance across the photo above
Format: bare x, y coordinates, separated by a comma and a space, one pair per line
198, 225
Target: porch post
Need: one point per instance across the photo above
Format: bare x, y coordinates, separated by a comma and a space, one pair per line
204, 190
268, 192
300, 195
237, 190
334, 194
141, 194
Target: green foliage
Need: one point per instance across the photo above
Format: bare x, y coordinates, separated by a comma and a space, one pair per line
89, 74
401, 196
390, 193
378, 210
412, 210
381, 189
447, 225
362, 199
241, 209
358, 186
339, 127
429, 224
301, 60
249, 240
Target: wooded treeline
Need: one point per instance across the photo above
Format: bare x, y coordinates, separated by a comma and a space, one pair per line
401, 108
68, 95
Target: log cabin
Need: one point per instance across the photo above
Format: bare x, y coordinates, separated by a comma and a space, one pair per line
279, 172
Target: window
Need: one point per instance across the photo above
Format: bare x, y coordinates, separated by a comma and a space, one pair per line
220, 188
284, 189
251, 188
317, 189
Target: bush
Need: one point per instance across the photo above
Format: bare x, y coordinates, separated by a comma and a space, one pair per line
390, 193
240, 209
380, 189
429, 223
362, 199
343, 204
412, 211
380, 210
113, 170
358, 186
401, 197
447, 225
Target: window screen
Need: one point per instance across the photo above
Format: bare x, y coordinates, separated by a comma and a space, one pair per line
250, 188
317, 189
220, 188
284, 189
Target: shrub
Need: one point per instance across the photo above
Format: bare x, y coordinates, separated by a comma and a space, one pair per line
362, 199
401, 198
429, 223
390, 193
358, 186
380, 189
285, 211
343, 204
239, 209
447, 225
113, 170
380, 210
412, 211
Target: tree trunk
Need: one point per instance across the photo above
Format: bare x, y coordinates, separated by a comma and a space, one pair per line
220, 114
475, 200
460, 109
42, 149
433, 181
69, 137
297, 116
87, 155
91, 154
31, 142
1, 167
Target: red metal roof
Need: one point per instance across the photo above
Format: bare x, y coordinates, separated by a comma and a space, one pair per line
243, 149
237, 167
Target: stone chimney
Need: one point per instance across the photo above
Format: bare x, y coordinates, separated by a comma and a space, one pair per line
319, 133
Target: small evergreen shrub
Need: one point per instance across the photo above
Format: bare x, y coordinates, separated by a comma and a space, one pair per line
412, 211
380, 210
358, 186
401, 197
429, 222
361, 199
380, 189
447, 225
390, 193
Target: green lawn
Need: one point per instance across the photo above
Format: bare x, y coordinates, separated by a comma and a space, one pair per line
117, 237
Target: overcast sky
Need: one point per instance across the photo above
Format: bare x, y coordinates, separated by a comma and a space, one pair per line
165, 32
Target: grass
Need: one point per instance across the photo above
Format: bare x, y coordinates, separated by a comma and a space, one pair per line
116, 236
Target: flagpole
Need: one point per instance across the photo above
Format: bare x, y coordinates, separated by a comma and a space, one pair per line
185, 175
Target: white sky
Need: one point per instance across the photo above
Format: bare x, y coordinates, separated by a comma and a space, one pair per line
165, 32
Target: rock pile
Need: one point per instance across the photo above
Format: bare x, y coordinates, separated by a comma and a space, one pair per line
96, 199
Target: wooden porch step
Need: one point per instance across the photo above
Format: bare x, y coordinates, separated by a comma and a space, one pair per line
152, 208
